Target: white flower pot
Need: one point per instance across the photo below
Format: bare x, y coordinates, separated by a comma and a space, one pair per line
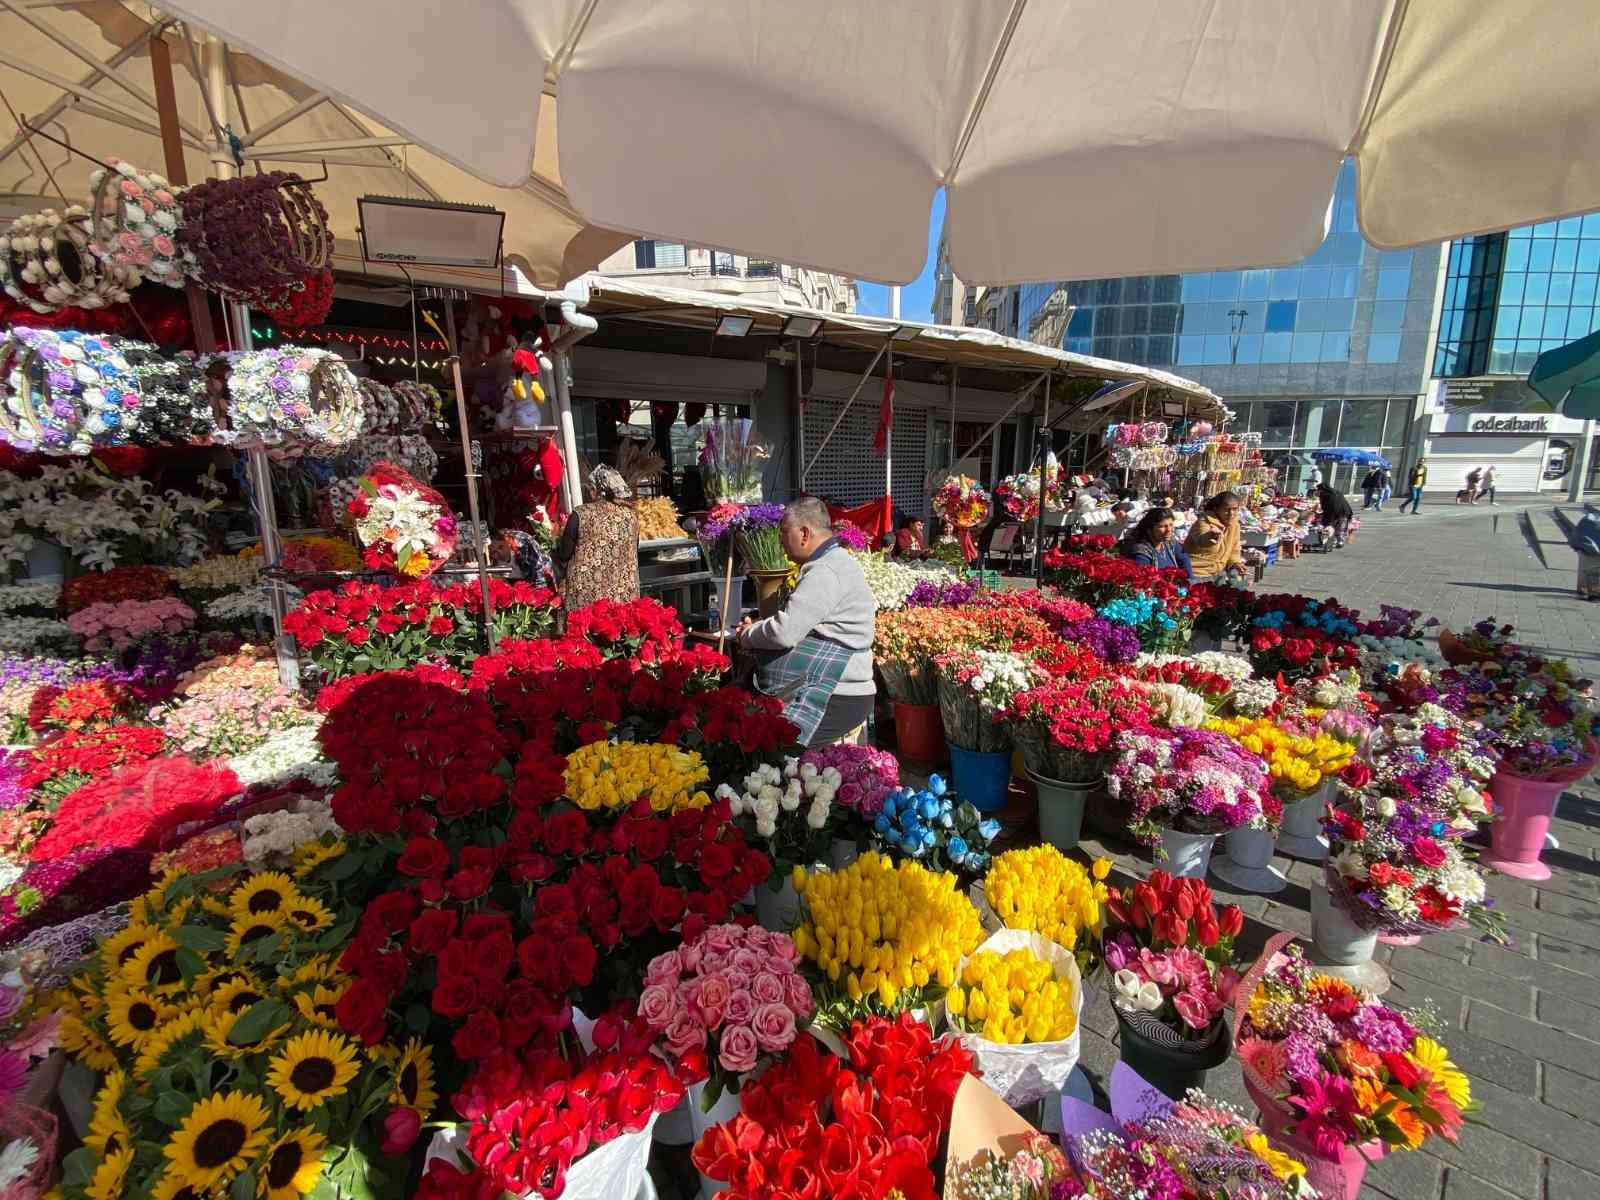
1247, 864
778, 910
725, 1109
1186, 854
1302, 825
1342, 948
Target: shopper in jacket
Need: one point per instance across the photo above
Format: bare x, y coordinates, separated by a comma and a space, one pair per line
1336, 512
1486, 486
1215, 545
816, 652
1419, 480
1586, 541
1371, 488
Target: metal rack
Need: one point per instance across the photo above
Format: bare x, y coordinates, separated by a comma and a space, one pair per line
683, 582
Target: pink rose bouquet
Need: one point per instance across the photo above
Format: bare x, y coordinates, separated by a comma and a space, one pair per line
726, 1002
115, 627
866, 775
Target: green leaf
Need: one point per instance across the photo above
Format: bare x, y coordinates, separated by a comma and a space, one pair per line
199, 938
190, 965
77, 1169
346, 865
259, 1019
417, 1017
172, 1107
244, 1187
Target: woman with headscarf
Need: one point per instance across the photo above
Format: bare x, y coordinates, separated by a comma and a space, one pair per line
599, 546
1150, 543
1214, 543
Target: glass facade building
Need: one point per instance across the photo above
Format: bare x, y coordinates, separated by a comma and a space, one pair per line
1331, 351
1511, 296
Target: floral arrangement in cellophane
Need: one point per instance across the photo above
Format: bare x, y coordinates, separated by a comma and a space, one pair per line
405, 526
961, 502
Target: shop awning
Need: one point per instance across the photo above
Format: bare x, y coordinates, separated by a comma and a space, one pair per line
82, 71
1074, 138
954, 345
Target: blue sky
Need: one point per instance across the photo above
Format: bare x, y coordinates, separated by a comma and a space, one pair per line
916, 298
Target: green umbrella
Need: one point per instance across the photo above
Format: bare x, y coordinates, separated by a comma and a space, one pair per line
1568, 377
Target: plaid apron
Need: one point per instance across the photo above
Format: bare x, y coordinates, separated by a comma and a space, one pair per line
804, 679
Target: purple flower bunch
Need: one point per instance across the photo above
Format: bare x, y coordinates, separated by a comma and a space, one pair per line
851, 537
81, 882
866, 775
1109, 641
1190, 780
935, 593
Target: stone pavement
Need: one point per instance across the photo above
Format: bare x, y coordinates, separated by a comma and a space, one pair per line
1525, 1019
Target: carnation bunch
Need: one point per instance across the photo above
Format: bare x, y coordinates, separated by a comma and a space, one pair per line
113, 586
136, 806
976, 690
879, 935
271, 838
1192, 780
726, 1003
907, 643
118, 627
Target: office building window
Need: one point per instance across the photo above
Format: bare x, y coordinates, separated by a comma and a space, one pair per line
649, 254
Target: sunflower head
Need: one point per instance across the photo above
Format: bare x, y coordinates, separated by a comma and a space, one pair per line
293, 1165
308, 914
154, 965
263, 894
108, 1130
81, 1040
235, 996
413, 1079
118, 949
319, 1005
224, 1042
308, 856
222, 1135
245, 930
106, 1182
181, 1031
213, 981
134, 1014
313, 1067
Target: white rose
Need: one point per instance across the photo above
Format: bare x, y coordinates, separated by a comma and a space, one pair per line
1385, 806
765, 828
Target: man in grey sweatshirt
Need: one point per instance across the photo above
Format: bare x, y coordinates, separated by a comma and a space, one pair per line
816, 652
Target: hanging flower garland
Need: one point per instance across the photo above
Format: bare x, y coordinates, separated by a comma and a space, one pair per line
136, 220
379, 407
46, 263
256, 239
177, 406
289, 397
65, 392
419, 403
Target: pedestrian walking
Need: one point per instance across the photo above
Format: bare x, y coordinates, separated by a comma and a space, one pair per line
1371, 488
1419, 480
1469, 494
1386, 490
1487, 484
1586, 541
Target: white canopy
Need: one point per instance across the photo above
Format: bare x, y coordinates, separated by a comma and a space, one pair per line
1074, 138
81, 71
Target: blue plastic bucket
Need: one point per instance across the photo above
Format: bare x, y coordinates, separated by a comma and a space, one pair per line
983, 777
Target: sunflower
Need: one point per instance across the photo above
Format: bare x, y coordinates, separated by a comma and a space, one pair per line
308, 856
247, 930
118, 949
172, 1186
220, 1137
108, 1131
155, 964
219, 1025
235, 996
312, 1067
133, 1015
1279, 1163
1435, 1060
216, 906
260, 895
218, 978
323, 968
294, 1164
413, 1079
106, 1183
83, 1042
319, 1005
309, 915
161, 1042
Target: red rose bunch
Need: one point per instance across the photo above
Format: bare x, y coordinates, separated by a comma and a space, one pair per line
1295, 652
74, 759
114, 586
532, 1115
644, 628
861, 1129
137, 806
78, 707
1209, 684
1091, 543
363, 627
411, 747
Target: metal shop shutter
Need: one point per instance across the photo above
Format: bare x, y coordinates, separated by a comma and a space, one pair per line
1517, 461
850, 471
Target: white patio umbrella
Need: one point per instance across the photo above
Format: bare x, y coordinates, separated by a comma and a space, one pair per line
1075, 138
81, 71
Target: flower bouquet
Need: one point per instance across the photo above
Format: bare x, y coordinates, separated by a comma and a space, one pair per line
1037, 889
1152, 1146
961, 503
243, 977
976, 692
116, 628
881, 937
1299, 763
1065, 726
1171, 952
906, 644
406, 526
810, 1126
1019, 495
755, 531
1194, 782
1016, 1003
995, 1155
930, 825
725, 1005
731, 454
1339, 1076
1481, 642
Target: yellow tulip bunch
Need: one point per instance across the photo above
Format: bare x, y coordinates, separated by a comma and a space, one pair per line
603, 775
1040, 889
881, 933
1296, 762
1012, 998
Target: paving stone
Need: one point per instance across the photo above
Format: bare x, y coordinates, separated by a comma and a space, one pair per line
1571, 1016
1480, 1058
1564, 1181
1574, 931
1405, 1176
1563, 953
1500, 1158
1442, 975
1547, 977
1530, 1037
1461, 1185
1527, 1124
